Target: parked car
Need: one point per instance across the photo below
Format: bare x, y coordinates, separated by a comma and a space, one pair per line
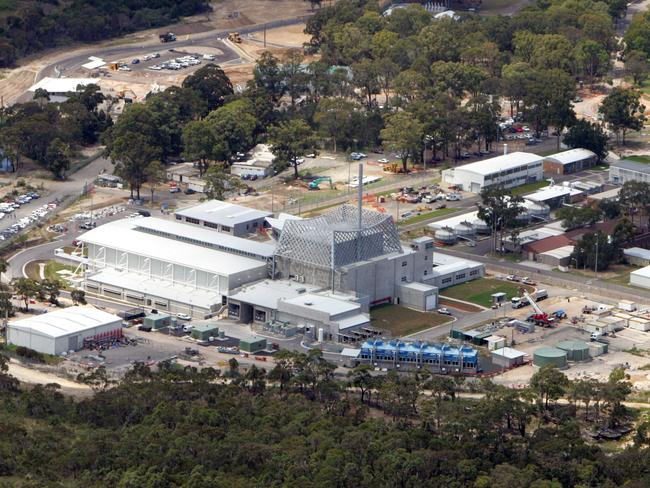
174, 189
183, 316
189, 191
135, 61
383, 161
444, 311
144, 328
512, 278
144, 213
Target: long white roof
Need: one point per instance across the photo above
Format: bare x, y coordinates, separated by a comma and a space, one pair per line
64, 322
224, 213
123, 236
572, 155
501, 163
62, 85
322, 303
206, 235
551, 192
637, 252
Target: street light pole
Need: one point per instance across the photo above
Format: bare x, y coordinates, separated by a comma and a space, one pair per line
596, 263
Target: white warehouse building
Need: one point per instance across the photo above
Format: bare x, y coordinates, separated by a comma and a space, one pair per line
62, 330
170, 266
508, 170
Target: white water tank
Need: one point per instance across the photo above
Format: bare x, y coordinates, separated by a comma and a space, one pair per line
481, 226
321, 335
538, 210
446, 236
464, 229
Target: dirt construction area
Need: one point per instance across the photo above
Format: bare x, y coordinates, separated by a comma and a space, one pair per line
629, 348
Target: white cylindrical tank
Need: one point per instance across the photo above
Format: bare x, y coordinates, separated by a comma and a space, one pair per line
321, 335
538, 210
464, 229
445, 235
481, 226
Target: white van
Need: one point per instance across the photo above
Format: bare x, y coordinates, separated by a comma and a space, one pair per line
188, 328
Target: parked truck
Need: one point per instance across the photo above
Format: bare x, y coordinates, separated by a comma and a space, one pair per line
167, 37
519, 302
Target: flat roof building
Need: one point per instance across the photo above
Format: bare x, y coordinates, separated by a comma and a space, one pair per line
622, 171
641, 277
153, 263
571, 161
508, 170
60, 88
637, 256
62, 330
555, 195
226, 217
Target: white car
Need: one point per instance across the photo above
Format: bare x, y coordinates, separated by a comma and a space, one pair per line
383, 161
444, 311
183, 316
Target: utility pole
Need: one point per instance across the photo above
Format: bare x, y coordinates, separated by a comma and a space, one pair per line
596, 264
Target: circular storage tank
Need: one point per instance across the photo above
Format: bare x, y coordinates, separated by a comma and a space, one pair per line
465, 229
539, 210
550, 355
480, 226
446, 236
575, 350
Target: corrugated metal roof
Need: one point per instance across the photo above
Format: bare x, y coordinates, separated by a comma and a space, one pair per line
207, 236
501, 163
60, 323
572, 156
223, 213
122, 235
637, 252
631, 165
62, 85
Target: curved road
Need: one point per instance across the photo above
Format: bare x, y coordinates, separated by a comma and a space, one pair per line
211, 38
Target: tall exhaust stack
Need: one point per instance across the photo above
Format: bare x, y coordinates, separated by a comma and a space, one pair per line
505, 149
360, 196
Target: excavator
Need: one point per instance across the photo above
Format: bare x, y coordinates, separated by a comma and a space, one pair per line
122, 95
234, 37
314, 184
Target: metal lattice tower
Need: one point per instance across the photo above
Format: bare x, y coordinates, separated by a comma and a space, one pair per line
334, 239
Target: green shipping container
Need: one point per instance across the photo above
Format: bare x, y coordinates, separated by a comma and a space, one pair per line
158, 320
252, 345
203, 332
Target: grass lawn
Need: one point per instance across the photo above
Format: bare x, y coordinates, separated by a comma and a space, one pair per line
428, 215
480, 291
529, 188
400, 321
51, 268
641, 158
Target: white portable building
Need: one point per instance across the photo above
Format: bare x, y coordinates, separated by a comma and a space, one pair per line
62, 330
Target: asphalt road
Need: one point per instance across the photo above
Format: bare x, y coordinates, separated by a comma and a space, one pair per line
209, 39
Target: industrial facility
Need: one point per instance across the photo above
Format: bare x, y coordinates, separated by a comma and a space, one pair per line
508, 171
64, 330
225, 217
571, 161
404, 356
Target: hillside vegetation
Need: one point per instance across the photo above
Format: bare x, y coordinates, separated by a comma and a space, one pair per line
28, 27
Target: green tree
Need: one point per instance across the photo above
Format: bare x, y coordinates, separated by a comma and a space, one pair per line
212, 85
290, 141
637, 67
634, 198
500, 209
591, 58
587, 135
622, 111
549, 383
133, 143
404, 134
49, 290
336, 119
615, 391
78, 296
268, 75
199, 143
57, 158
233, 128
361, 378
26, 288
596, 251
155, 174
573, 217
218, 182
